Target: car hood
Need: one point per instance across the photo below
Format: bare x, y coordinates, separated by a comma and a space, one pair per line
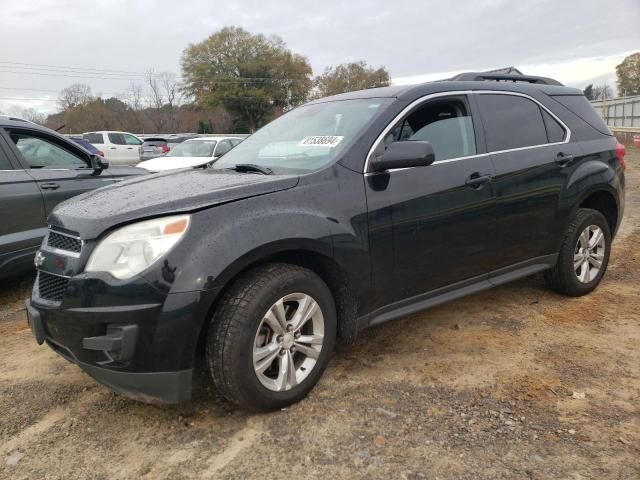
93, 212
160, 164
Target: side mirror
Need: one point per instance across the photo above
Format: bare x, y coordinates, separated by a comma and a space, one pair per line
99, 163
405, 154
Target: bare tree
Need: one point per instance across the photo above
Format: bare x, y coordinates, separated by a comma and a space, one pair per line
74, 96
155, 100
28, 113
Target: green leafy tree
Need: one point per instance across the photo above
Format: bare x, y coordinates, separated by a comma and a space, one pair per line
588, 92
349, 77
628, 73
254, 77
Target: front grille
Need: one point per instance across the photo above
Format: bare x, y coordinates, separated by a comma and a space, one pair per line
64, 242
51, 287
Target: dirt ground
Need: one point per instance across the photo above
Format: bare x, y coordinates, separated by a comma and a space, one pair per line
482, 387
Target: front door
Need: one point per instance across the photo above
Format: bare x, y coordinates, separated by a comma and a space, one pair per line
59, 168
21, 211
430, 227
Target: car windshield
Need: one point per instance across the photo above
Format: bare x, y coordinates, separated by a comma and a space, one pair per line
307, 138
193, 148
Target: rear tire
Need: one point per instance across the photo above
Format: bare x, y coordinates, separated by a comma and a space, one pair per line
271, 337
584, 255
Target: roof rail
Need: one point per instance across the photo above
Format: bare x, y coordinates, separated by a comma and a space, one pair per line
504, 77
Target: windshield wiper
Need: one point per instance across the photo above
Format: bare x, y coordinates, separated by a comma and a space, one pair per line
251, 167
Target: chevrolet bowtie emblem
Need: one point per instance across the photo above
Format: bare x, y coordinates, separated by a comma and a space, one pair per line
38, 259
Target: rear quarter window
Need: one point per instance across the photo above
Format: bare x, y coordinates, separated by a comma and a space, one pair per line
579, 105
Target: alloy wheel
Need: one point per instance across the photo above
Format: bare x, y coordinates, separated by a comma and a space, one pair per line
288, 342
589, 253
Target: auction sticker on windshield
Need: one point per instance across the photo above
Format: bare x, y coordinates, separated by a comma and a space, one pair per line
320, 141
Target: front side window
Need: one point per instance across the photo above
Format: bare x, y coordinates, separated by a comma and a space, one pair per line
445, 123
40, 152
511, 121
307, 138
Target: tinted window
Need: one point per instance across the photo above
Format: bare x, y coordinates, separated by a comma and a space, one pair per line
39, 152
555, 131
117, 139
511, 122
579, 105
93, 137
445, 123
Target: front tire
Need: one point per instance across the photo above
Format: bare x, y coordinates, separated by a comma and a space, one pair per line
584, 255
271, 337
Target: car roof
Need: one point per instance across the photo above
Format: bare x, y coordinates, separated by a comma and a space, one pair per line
410, 92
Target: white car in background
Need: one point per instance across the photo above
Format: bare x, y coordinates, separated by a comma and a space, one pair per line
196, 152
120, 148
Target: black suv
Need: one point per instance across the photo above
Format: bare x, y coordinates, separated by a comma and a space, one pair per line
38, 169
342, 214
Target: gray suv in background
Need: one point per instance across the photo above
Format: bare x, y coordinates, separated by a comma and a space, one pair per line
38, 169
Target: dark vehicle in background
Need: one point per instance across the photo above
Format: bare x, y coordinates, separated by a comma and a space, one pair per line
87, 145
38, 169
153, 147
341, 214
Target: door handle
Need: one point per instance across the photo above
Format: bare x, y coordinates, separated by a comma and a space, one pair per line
113, 148
129, 148
563, 160
50, 186
476, 180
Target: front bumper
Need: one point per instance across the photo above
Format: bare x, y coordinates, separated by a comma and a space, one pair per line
134, 339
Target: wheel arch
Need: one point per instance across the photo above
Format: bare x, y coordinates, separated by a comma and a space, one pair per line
604, 201
308, 254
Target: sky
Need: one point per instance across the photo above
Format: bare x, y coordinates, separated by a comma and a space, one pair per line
46, 45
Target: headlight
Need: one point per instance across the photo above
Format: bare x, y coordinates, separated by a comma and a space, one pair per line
129, 250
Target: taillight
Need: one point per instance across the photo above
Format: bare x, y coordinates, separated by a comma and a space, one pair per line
165, 148
620, 152
101, 153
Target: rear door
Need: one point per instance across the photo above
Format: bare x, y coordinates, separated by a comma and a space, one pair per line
529, 151
60, 169
22, 215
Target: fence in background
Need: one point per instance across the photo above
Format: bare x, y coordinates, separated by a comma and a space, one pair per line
622, 115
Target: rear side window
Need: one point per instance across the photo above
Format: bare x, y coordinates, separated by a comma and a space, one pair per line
579, 105
511, 122
117, 139
555, 131
93, 138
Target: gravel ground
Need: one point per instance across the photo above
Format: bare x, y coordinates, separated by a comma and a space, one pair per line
516, 382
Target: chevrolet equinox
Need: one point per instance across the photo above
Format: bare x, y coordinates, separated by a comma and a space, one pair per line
344, 213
